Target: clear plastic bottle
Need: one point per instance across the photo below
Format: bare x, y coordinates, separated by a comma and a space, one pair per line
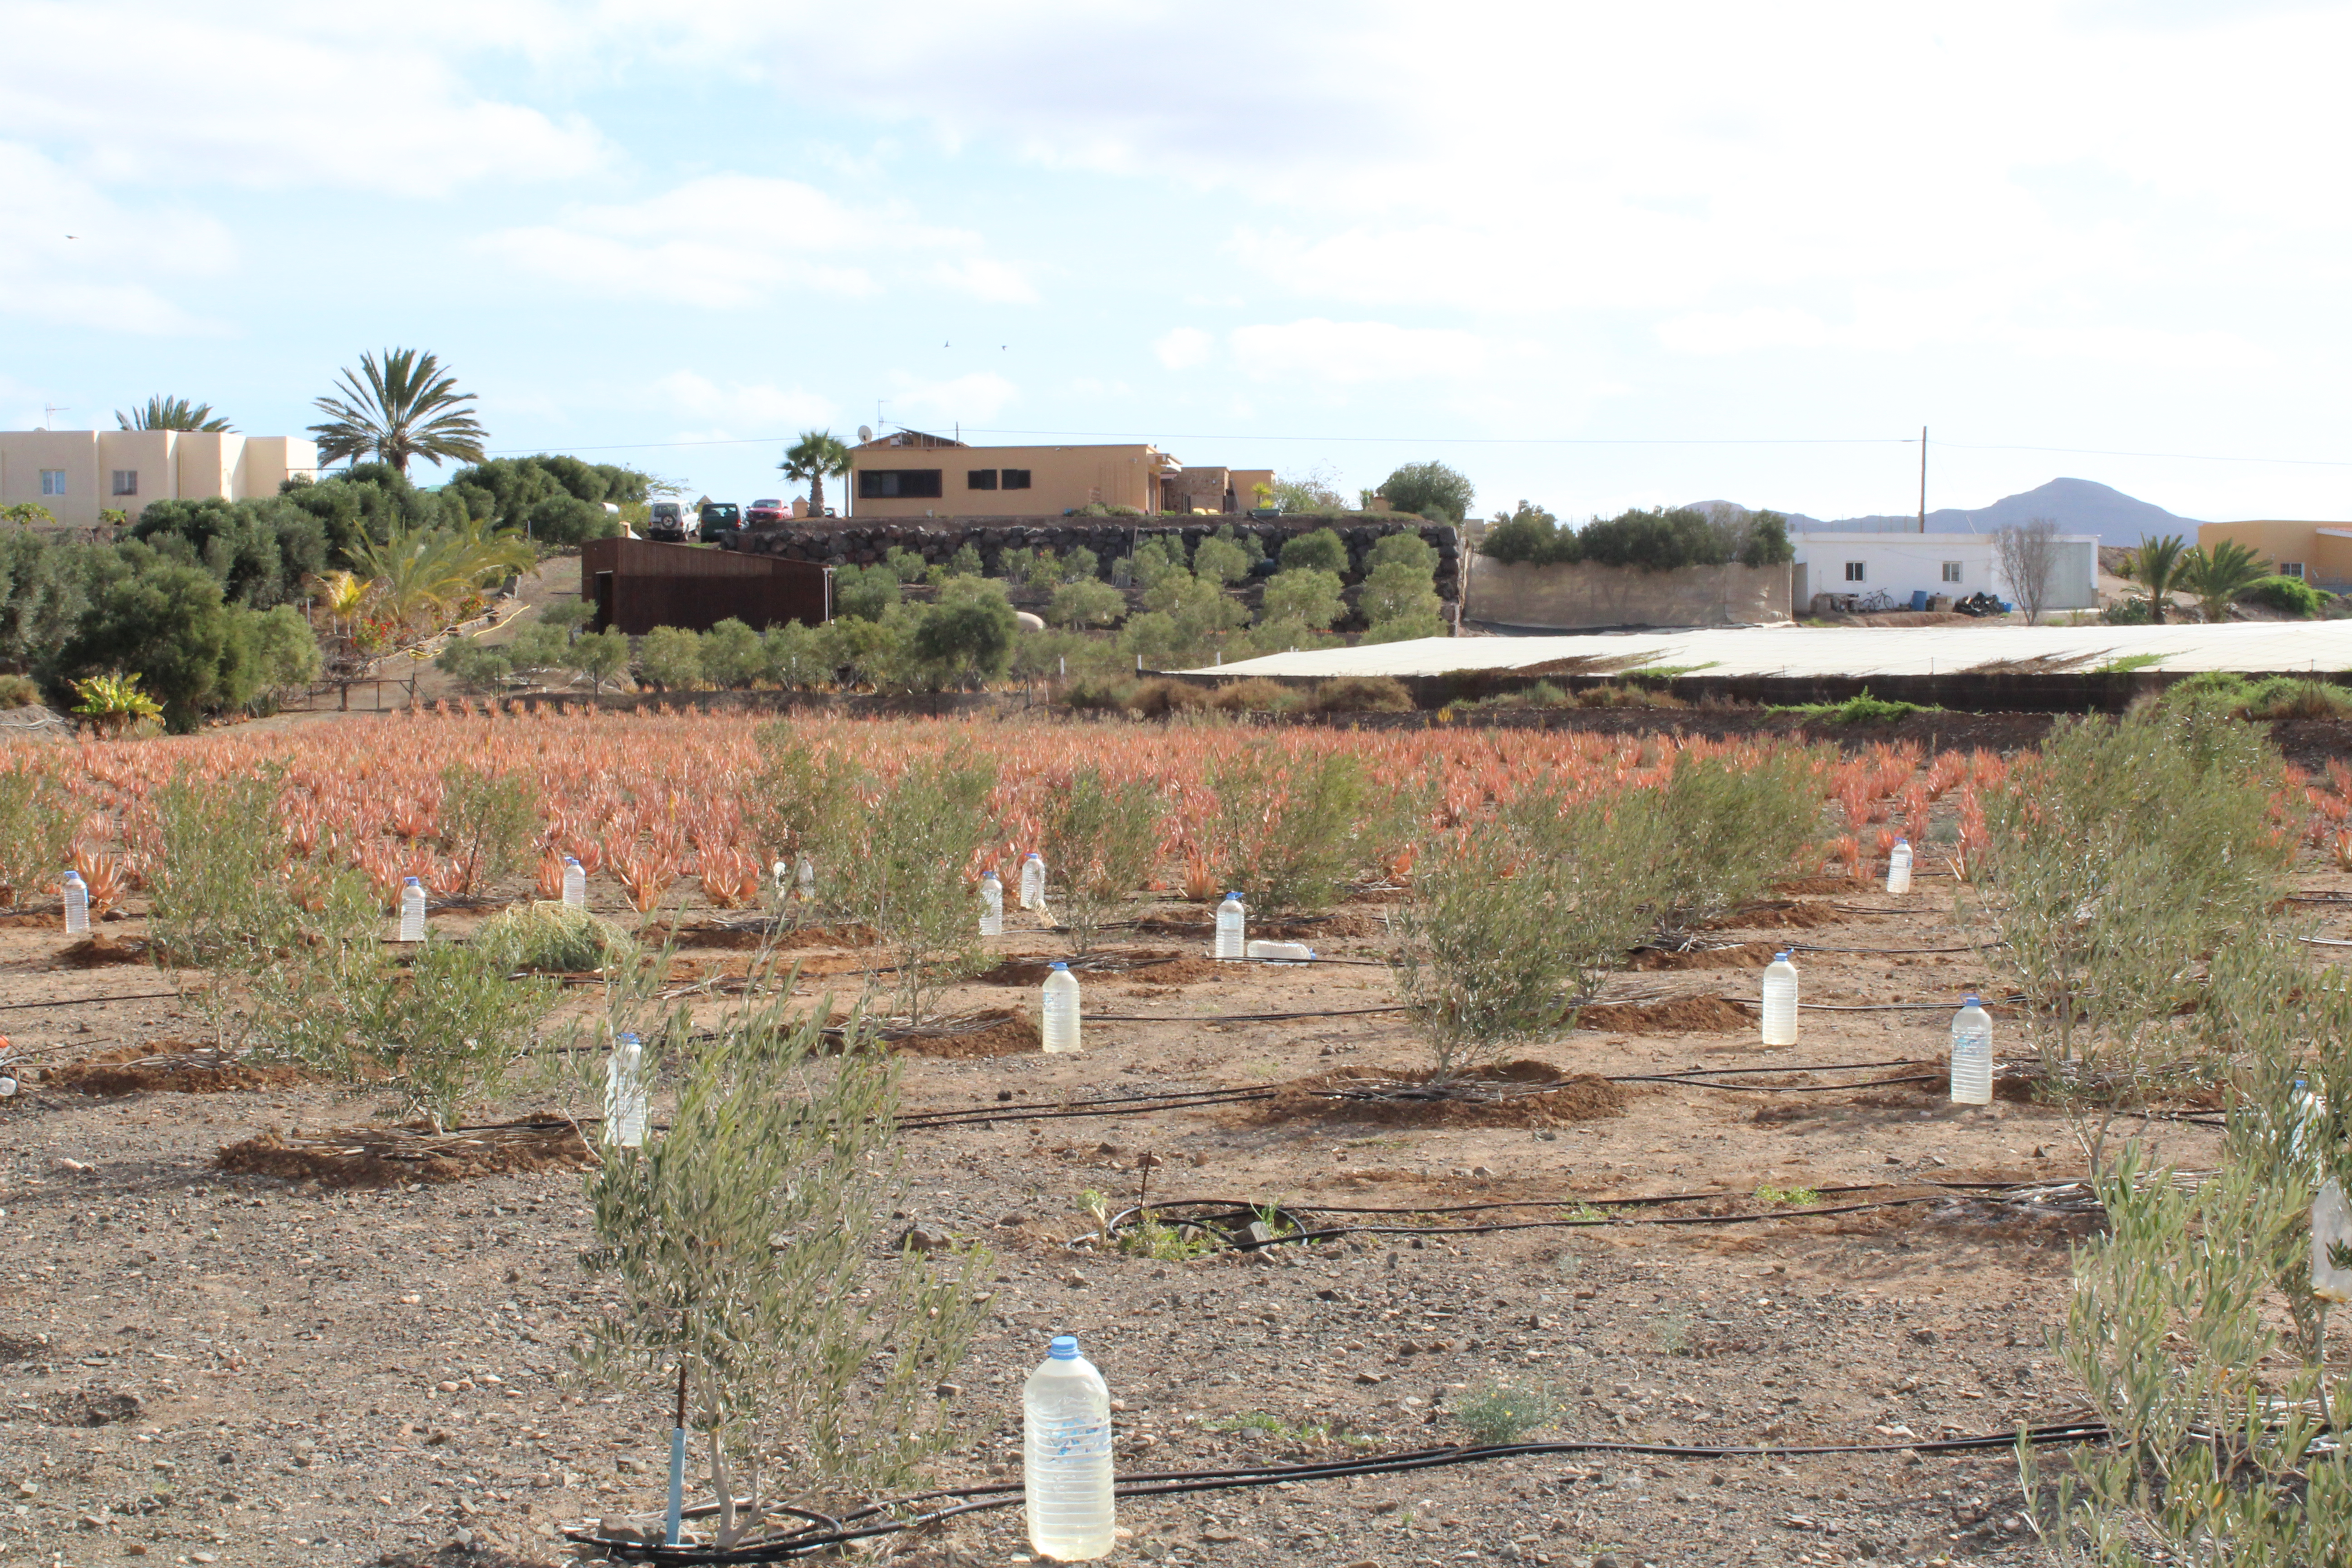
1281, 951
1060, 1009
575, 884
2310, 1124
7, 1087
992, 903
1232, 920
1780, 1002
806, 879
1032, 882
625, 1093
1898, 866
1971, 1054
412, 910
77, 893
1065, 1468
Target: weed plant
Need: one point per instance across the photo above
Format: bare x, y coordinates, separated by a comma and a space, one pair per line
1862, 707
552, 939
35, 831
2274, 696
903, 874
1515, 922
1100, 840
488, 823
1497, 1412
743, 1243
1726, 826
1286, 831
440, 1036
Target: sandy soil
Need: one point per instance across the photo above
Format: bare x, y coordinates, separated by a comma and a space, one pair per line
196, 1367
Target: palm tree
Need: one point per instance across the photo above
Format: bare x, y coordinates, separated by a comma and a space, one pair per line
429, 570
816, 454
172, 413
400, 409
2156, 567
2217, 577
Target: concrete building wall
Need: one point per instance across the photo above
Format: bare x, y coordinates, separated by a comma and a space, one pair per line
1584, 596
1899, 564
156, 465
2322, 550
1060, 478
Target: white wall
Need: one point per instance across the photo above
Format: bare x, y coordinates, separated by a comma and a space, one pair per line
1899, 563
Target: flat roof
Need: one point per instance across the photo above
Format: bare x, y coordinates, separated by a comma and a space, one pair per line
2252, 648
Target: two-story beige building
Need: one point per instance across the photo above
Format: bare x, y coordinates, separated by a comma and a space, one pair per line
909, 474
77, 474
2319, 553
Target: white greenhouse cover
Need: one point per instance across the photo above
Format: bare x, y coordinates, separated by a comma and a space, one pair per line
2254, 646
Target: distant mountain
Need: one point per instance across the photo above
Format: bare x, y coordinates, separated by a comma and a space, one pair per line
2076, 506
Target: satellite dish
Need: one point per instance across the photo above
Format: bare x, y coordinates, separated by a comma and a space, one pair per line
865, 433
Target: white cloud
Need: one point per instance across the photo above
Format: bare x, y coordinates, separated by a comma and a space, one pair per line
1731, 332
1182, 348
760, 405
278, 97
75, 258
726, 240
1354, 351
973, 399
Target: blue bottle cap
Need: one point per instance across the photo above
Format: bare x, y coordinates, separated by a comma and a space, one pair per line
408, 882
1064, 1348
1970, 1000
626, 1040
1064, 967
1782, 957
1030, 855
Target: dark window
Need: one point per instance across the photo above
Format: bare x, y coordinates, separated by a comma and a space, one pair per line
1853, 572
979, 480
1015, 479
882, 484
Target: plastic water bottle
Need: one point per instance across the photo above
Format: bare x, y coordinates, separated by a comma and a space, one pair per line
1971, 1054
1232, 920
77, 893
991, 904
575, 884
7, 1087
411, 910
1060, 1007
625, 1093
1281, 951
1065, 1472
1032, 882
1898, 866
807, 880
2310, 1120
1780, 1002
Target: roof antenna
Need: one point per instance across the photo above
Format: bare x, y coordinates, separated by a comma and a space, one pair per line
50, 408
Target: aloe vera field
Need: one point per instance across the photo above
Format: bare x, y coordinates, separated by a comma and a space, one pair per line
1491, 1231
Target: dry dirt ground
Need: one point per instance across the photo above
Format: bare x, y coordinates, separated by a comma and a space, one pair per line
198, 1367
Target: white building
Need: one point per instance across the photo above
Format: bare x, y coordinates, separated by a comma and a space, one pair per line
77, 474
1902, 565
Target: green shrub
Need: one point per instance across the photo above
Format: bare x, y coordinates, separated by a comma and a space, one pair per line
2289, 595
1099, 692
440, 1036
789, 657
476, 666
1099, 840
1733, 825
19, 692
1408, 550
1158, 699
1085, 603
600, 656
1860, 709
1320, 550
2132, 612
488, 822
1496, 1413
1618, 696
670, 659
219, 911
732, 655
1307, 595
967, 638
1287, 829
1218, 560
552, 939
36, 829
1362, 694
1256, 695
864, 593
901, 870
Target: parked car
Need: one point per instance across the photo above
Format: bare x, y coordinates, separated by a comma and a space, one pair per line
666, 522
720, 519
770, 510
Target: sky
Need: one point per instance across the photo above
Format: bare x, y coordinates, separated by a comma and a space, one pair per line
1594, 255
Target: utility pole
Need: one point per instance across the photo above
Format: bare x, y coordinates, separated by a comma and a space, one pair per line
1923, 478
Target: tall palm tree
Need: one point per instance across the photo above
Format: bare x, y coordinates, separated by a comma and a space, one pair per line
816, 454
2217, 577
2156, 567
172, 413
401, 407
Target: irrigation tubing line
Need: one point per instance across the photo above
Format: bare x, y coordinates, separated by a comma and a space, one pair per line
1651, 1201
1880, 1006
1896, 952
1177, 1483
79, 1001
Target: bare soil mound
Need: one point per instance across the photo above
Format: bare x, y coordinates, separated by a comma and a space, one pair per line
173, 1066
1738, 955
1683, 1016
1176, 972
1776, 914
1512, 1094
98, 951
1031, 969
383, 1156
1007, 1033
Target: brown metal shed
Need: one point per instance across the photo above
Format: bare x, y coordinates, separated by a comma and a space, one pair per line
637, 585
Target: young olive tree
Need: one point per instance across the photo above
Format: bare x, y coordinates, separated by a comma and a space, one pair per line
1727, 827
1288, 832
1516, 921
803, 802
488, 822
220, 914
746, 1245
1101, 840
36, 824
901, 870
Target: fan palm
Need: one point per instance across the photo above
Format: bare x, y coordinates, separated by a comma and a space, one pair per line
2217, 577
172, 413
2156, 567
400, 407
816, 454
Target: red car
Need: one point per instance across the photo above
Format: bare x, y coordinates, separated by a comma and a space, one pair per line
770, 510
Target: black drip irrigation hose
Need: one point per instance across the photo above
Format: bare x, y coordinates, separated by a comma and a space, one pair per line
962, 1500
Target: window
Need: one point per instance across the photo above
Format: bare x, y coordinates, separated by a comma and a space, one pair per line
126, 482
883, 484
53, 481
2291, 569
1015, 479
979, 480
1854, 571
1952, 570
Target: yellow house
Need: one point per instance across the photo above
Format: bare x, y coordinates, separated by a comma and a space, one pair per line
77, 474
909, 474
2319, 553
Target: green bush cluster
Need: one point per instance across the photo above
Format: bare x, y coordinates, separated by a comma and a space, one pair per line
2289, 595
1660, 540
2271, 696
